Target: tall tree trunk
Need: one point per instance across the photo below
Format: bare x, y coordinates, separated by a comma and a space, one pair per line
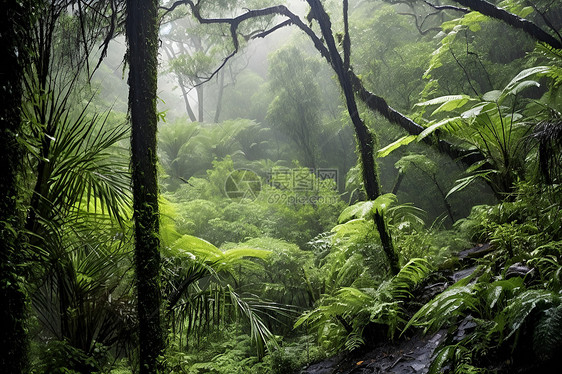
200, 112
142, 35
219, 98
15, 20
362, 132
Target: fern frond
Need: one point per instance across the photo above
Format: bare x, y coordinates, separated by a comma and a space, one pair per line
547, 340
523, 305
411, 274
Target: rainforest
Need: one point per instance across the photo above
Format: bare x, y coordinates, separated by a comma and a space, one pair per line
281, 186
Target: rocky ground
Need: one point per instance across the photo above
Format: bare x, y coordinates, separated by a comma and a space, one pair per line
413, 354
406, 356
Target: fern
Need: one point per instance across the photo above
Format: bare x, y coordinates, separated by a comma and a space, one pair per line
342, 317
367, 209
547, 341
502, 309
523, 305
411, 274
459, 355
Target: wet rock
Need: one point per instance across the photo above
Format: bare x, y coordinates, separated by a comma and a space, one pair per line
480, 250
519, 270
461, 274
406, 356
418, 366
324, 367
430, 291
466, 327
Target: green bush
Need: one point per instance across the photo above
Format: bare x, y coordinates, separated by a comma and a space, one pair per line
59, 357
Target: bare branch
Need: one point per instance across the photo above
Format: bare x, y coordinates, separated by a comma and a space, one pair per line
490, 10
545, 19
447, 7
264, 33
173, 7
235, 22
465, 72
373, 102
420, 26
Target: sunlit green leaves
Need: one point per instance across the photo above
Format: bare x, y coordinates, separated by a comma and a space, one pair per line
367, 209
405, 140
196, 248
448, 103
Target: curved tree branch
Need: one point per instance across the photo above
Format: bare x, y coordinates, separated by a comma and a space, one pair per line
447, 7
490, 10
373, 102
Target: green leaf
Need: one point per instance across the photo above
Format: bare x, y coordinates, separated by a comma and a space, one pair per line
359, 210
520, 87
352, 227
416, 161
367, 209
523, 305
443, 100
431, 129
443, 356
452, 105
405, 140
477, 165
492, 95
240, 252
189, 245
478, 109
464, 182
524, 74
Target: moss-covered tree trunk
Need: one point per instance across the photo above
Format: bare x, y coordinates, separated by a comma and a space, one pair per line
363, 134
142, 36
14, 22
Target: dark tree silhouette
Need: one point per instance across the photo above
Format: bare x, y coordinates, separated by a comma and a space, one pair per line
15, 20
142, 36
532, 29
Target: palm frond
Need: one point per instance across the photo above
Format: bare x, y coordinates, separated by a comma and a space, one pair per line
549, 137
259, 333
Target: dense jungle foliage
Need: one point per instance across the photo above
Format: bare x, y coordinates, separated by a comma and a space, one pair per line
332, 175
